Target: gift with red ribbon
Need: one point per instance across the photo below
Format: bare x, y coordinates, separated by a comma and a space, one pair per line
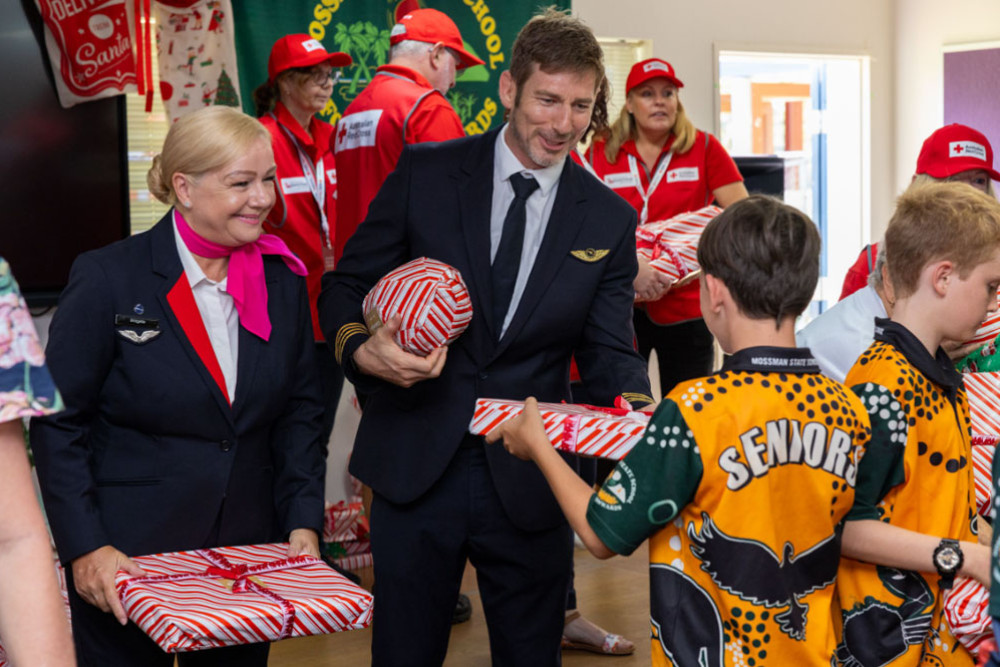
194, 600
429, 297
671, 246
607, 433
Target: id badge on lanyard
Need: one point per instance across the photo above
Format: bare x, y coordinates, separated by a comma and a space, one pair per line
645, 193
315, 179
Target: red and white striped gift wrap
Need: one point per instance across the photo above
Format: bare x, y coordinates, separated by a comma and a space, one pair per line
344, 521
671, 246
606, 433
430, 298
194, 600
983, 390
983, 449
988, 330
966, 607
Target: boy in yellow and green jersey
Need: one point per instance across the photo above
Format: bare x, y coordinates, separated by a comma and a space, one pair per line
742, 478
913, 528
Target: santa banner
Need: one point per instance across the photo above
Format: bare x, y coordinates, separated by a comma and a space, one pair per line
90, 48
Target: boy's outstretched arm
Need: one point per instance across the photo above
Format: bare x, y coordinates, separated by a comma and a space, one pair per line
524, 437
878, 542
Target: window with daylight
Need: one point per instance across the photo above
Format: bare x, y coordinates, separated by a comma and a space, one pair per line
145, 133
619, 56
804, 119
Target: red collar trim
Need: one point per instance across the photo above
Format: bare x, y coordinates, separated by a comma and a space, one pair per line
320, 130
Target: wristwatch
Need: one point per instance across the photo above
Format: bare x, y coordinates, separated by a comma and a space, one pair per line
948, 559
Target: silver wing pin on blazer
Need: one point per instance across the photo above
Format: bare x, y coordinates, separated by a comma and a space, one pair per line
138, 338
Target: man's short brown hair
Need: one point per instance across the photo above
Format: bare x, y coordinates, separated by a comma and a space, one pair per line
766, 253
936, 222
558, 42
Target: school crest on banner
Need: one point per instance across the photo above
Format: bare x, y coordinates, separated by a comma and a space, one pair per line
361, 28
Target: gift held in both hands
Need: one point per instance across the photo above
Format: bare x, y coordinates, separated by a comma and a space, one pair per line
607, 433
430, 298
671, 246
194, 600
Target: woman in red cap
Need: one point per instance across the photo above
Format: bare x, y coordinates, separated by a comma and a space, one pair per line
656, 159
300, 78
952, 153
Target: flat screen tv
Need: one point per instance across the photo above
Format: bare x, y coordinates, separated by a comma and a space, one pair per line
63, 177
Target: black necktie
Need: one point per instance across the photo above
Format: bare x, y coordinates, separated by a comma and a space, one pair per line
508, 258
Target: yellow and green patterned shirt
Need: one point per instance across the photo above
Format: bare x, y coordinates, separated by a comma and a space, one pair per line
916, 474
740, 482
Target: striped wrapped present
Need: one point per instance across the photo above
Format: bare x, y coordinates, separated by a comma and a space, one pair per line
195, 600
983, 448
430, 298
988, 330
607, 433
344, 521
983, 390
966, 609
671, 246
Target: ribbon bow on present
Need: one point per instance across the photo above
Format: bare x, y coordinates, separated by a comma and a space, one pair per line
657, 248
242, 576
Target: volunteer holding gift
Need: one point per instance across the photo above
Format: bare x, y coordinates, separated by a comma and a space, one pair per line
186, 362
300, 78
660, 163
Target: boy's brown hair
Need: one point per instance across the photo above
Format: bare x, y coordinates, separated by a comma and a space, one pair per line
558, 42
766, 253
940, 221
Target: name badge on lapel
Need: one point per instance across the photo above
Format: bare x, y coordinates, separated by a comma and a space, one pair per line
138, 330
590, 255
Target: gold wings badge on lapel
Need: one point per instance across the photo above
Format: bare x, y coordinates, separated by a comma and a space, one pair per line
590, 254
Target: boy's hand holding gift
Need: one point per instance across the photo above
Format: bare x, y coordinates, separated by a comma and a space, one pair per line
524, 435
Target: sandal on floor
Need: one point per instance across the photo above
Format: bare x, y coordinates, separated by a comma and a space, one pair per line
612, 645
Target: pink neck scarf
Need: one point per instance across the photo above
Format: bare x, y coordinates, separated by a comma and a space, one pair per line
245, 275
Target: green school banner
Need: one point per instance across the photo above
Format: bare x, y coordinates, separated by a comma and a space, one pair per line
361, 28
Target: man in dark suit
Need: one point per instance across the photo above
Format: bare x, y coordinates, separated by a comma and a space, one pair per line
548, 255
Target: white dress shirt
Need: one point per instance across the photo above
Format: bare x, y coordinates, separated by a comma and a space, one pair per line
839, 336
218, 313
537, 209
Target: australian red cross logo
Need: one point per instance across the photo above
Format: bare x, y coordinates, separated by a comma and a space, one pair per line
967, 149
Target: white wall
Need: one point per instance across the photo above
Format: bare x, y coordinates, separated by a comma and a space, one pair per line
684, 34
923, 27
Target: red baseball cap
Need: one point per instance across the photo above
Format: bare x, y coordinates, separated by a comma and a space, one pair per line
953, 149
432, 26
301, 51
651, 68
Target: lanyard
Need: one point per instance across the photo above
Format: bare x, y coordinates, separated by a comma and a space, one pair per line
315, 180
661, 169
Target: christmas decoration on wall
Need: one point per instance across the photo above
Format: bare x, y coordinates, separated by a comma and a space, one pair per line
197, 55
90, 48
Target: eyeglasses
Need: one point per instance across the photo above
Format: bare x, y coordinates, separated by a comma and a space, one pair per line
319, 76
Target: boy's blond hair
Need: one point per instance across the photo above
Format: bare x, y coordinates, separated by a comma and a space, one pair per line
940, 221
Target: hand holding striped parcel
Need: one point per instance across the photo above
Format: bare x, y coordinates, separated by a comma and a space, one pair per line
671, 246
429, 297
607, 433
194, 600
